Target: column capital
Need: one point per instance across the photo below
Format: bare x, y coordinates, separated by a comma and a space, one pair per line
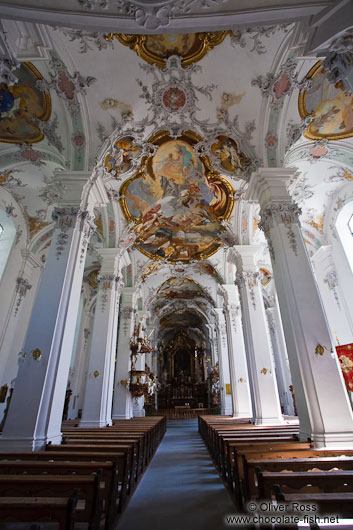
270, 185
279, 212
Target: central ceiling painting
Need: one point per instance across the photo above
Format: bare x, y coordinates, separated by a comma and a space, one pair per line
176, 201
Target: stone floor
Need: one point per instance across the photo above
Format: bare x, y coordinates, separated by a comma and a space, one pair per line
181, 489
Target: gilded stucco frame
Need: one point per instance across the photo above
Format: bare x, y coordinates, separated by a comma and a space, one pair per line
305, 114
210, 173
43, 117
204, 42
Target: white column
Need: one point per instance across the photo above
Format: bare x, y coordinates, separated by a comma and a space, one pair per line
239, 377
97, 406
338, 315
279, 347
36, 408
122, 403
324, 410
263, 384
224, 375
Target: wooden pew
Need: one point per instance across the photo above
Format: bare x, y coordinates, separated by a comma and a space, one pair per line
75, 457
85, 487
235, 450
249, 485
306, 482
276, 453
111, 438
127, 449
39, 510
327, 503
228, 443
120, 452
109, 488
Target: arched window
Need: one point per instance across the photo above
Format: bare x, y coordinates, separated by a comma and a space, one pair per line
7, 238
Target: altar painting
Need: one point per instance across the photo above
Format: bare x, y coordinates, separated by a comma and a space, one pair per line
22, 106
329, 105
177, 203
176, 288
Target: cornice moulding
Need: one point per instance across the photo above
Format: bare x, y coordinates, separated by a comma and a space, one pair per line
210, 19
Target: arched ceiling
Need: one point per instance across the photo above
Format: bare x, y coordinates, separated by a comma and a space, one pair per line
174, 144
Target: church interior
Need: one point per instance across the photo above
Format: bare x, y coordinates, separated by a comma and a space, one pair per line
176, 259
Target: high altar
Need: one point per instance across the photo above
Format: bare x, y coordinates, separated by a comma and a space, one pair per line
183, 375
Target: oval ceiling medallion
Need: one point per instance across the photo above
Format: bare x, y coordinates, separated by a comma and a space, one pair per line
23, 107
330, 107
177, 202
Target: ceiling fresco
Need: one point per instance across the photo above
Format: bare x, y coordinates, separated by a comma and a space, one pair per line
21, 106
180, 288
171, 184
181, 319
121, 157
329, 106
227, 151
177, 202
155, 49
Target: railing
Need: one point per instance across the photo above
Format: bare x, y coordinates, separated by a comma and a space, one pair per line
183, 413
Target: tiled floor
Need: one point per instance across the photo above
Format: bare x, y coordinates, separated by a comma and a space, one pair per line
181, 489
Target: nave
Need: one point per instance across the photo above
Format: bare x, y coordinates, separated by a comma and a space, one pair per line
181, 488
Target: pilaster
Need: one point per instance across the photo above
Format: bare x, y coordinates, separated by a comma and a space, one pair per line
263, 385
224, 374
97, 407
122, 404
284, 380
239, 377
78, 381
330, 287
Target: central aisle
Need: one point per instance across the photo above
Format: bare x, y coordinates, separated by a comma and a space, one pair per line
181, 489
